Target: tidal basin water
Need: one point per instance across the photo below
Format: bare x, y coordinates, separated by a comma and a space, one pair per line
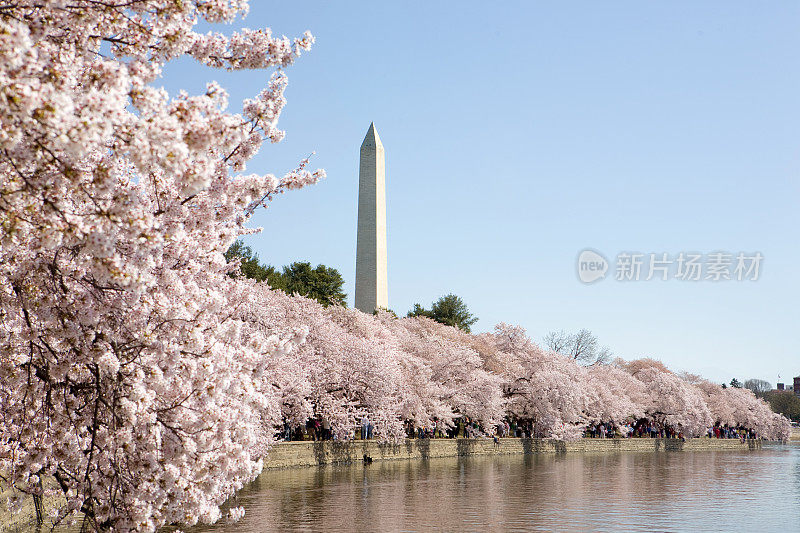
667, 491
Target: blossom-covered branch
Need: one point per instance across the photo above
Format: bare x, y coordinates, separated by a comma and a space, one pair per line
127, 375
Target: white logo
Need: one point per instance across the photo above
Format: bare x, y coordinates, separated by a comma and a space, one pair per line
591, 266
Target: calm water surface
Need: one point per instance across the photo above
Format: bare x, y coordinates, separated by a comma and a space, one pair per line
681, 491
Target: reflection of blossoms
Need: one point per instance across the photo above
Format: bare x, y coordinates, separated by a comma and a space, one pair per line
235, 514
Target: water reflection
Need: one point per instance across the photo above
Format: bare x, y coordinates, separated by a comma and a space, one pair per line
688, 491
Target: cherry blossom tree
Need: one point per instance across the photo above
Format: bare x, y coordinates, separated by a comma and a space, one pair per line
353, 364
739, 407
457, 377
348, 366
135, 371
673, 401
126, 374
615, 395
549, 389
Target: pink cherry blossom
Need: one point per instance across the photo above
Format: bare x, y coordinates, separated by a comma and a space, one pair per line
127, 374
136, 371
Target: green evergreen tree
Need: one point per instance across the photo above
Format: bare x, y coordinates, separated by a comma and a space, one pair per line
251, 267
322, 283
450, 310
784, 402
418, 310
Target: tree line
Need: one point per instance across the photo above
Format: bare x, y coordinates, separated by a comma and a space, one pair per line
325, 285
321, 283
785, 402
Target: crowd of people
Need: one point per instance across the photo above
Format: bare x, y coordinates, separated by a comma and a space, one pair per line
725, 432
645, 428
317, 429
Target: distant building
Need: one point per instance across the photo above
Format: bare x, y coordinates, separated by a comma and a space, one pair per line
797, 385
781, 386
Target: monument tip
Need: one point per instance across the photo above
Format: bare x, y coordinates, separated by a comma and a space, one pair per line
372, 138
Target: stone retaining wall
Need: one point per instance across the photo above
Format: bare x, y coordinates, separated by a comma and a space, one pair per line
290, 454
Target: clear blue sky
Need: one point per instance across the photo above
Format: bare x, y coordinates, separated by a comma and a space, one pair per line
518, 134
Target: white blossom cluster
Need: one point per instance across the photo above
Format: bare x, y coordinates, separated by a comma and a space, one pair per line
414, 369
126, 375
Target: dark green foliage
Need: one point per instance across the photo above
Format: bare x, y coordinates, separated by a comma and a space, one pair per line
251, 267
418, 310
786, 403
449, 310
322, 283
736, 384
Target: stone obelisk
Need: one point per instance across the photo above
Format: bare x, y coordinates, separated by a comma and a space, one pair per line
371, 286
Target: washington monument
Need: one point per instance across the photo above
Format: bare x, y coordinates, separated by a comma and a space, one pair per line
371, 286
